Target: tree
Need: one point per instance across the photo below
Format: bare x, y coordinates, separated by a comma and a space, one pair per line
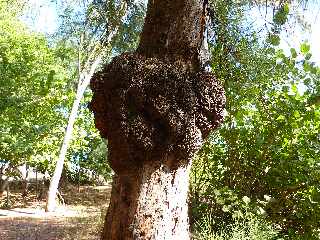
156, 106
31, 85
101, 26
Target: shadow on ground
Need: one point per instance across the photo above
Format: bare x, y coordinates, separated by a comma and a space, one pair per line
49, 229
80, 218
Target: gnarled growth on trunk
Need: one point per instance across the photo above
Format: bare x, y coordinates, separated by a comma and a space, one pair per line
155, 107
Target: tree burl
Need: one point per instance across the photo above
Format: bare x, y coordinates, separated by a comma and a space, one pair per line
148, 108
156, 106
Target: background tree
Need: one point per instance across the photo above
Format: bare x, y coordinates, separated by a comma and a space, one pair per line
32, 84
95, 29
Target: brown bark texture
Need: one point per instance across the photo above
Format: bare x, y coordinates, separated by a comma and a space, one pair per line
156, 106
3, 186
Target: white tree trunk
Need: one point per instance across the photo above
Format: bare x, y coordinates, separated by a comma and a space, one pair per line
54, 183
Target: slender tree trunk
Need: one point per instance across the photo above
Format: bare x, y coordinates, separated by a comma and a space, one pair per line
25, 183
8, 194
84, 80
37, 184
156, 106
3, 180
42, 190
78, 178
54, 183
3, 185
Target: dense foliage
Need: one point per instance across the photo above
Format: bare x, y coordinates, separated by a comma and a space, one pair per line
256, 178
265, 157
33, 85
39, 78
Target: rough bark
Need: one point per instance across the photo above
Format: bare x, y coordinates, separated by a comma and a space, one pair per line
155, 107
174, 30
149, 204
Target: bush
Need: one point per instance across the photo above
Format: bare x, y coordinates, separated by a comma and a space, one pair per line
248, 227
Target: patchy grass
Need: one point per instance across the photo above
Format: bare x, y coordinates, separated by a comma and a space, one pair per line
80, 218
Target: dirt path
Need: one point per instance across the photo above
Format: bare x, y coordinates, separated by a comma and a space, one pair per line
81, 218
37, 229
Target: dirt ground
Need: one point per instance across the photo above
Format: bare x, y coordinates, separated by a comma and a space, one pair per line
81, 217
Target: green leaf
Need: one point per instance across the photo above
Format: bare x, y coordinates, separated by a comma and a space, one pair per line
273, 39
286, 8
281, 15
304, 48
308, 56
296, 114
307, 66
281, 118
293, 52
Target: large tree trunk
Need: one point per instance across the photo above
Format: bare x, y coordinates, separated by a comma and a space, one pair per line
156, 106
149, 204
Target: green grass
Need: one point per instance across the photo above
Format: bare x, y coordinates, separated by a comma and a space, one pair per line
247, 228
